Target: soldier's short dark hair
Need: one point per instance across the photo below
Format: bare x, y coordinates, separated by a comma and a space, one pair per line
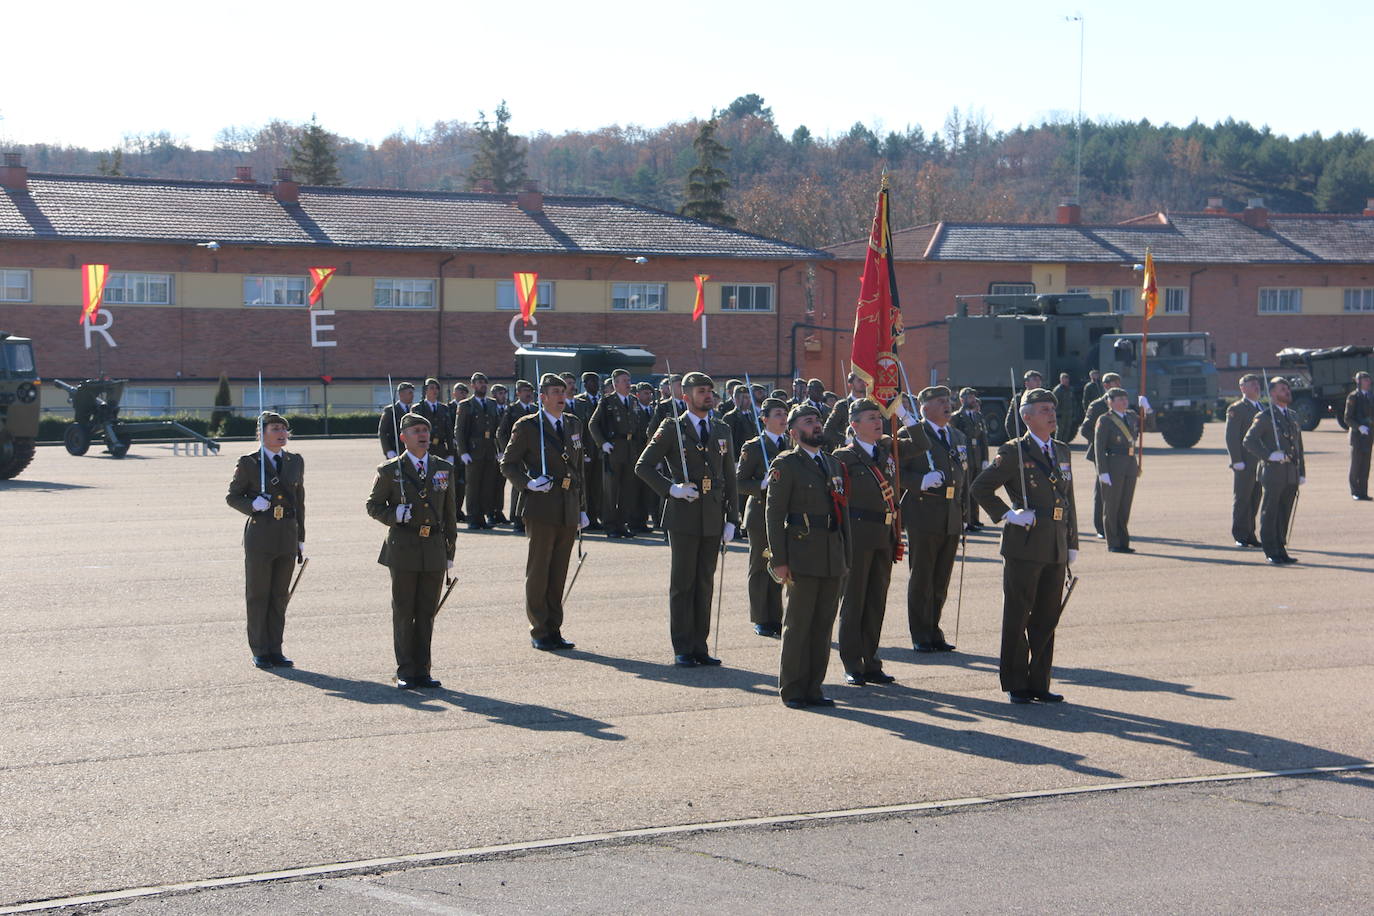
1109, 376
1250, 377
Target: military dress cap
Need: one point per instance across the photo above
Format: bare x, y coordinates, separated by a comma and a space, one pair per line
697, 380
1039, 396
772, 404
1030, 374
413, 419
801, 410
498, 387
1106, 379
590, 375
477, 376
551, 380
432, 381
616, 372
268, 417
406, 386
1113, 393
934, 391
523, 383
1250, 377
733, 384
862, 405
1278, 380
965, 392
1361, 375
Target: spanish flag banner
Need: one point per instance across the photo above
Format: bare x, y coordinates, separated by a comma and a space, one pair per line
1149, 292
319, 279
93, 277
527, 294
878, 317
699, 307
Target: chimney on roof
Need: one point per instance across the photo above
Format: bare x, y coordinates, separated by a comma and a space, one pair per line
1215, 205
243, 174
530, 198
1255, 215
1069, 213
286, 189
485, 186
13, 175
1368, 207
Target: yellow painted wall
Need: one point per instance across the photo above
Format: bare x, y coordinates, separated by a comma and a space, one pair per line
1049, 278
56, 287
1320, 300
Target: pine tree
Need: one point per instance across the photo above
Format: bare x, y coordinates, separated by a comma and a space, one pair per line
707, 181
113, 165
500, 156
223, 400
312, 156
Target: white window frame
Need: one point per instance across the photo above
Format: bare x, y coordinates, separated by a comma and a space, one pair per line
278, 397
1280, 300
269, 287
1011, 288
130, 288
1358, 300
731, 292
634, 294
139, 401
505, 296
1127, 295
1175, 300
404, 293
7, 281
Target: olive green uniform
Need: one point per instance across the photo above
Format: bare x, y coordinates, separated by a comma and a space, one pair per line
1359, 411
808, 531
647, 504
387, 426
975, 429
1114, 444
474, 434
836, 427
550, 518
515, 411
440, 426
1096, 409
614, 423
271, 542
1278, 479
934, 521
1245, 486
765, 595
694, 528
416, 551
1034, 560
583, 406
1065, 410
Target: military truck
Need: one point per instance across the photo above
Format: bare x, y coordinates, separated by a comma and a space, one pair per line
603, 359
1074, 332
1321, 378
19, 389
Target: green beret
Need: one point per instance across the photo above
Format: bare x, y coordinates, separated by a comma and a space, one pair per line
413, 419
733, 384
1252, 377
406, 386
965, 392
616, 372
1361, 375
523, 383
1031, 373
463, 386
498, 387
1117, 393
1039, 396
935, 391
590, 376
432, 381
1279, 380
644, 386
802, 410
862, 405
772, 404
550, 380
697, 380
268, 417
778, 393
815, 381
476, 376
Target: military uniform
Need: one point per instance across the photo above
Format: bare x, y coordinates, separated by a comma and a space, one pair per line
836, 426
1065, 409
808, 531
583, 406
614, 423
765, 595
1034, 560
271, 544
459, 471
1245, 487
1089, 430
1279, 480
694, 528
513, 413
551, 517
416, 550
970, 422
1359, 411
440, 424
1091, 392
1114, 444
387, 426
646, 504
474, 435
934, 521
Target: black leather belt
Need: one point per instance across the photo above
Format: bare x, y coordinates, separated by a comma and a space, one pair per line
868, 515
809, 520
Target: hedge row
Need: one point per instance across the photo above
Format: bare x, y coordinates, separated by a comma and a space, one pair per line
52, 429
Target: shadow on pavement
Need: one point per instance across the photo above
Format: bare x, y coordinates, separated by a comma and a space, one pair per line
722, 677
43, 485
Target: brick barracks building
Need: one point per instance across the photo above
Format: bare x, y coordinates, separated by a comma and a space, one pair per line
211, 277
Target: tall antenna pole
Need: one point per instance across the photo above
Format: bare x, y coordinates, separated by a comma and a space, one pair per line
1078, 131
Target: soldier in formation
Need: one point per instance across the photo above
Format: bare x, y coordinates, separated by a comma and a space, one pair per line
757, 454
933, 512
1275, 441
389, 424
1093, 411
1359, 419
523, 406
837, 424
613, 426
1114, 443
1245, 486
474, 442
969, 420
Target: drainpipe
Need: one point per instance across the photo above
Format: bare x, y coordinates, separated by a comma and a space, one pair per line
835, 307
439, 372
1191, 276
777, 325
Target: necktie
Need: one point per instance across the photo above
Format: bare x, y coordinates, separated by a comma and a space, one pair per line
1049, 454
944, 438
820, 463
558, 428
420, 469
276, 463
701, 427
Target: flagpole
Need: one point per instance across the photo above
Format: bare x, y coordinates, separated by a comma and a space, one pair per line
1148, 295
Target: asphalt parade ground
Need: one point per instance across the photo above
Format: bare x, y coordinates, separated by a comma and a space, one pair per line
142, 750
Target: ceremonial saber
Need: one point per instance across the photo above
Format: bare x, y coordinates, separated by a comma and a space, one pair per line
396, 429
1020, 449
758, 421
1068, 591
449, 583
543, 460
581, 558
720, 590
262, 443
677, 422
300, 571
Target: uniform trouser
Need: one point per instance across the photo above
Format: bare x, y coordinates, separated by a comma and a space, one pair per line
1116, 510
267, 581
484, 497
1276, 507
932, 563
619, 492
765, 595
1359, 465
546, 572
689, 590
971, 510
862, 610
1098, 524
1245, 502
591, 473
1031, 596
414, 596
517, 504
499, 501
460, 488
806, 627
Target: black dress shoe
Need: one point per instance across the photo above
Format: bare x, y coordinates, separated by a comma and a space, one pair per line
943, 646
262, 661
763, 629
1287, 559
1044, 696
1254, 543
820, 701
545, 645
1275, 561
1019, 697
281, 661
855, 680
924, 647
617, 534
1363, 499
426, 681
500, 519
1244, 544
1100, 536
704, 659
404, 684
1120, 550
878, 677
794, 704
685, 661
477, 526
518, 526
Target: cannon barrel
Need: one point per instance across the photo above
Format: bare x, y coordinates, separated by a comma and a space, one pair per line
65, 386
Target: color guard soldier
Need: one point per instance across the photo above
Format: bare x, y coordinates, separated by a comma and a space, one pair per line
440, 420
612, 429
765, 595
474, 442
968, 419
1031, 380
524, 406
701, 514
933, 512
809, 536
837, 423
1245, 486
1359, 419
273, 536
1114, 444
390, 420
544, 462
413, 496
1039, 543
1096, 408
1275, 440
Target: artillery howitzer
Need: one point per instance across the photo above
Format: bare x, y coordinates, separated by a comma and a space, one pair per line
96, 405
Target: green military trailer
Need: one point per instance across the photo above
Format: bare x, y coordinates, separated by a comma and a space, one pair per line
993, 336
1321, 377
19, 389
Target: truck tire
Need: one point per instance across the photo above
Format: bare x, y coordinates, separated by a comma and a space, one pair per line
77, 440
1309, 412
1181, 430
15, 455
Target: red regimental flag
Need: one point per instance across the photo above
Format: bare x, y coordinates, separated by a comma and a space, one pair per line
1149, 292
93, 277
319, 279
699, 307
527, 294
878, 318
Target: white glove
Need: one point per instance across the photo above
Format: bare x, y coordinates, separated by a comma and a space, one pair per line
729, 534
932, 480
500, 456
1238, 466
763, 484
467, 459
687, 491
540, 484
390, 455
907, 417
261, 504
1106, 479
1364, 430
300, 547
1073, 556
582, 521
607, 447
1023, 517
402, 513
1302, 480
1145, 402
986, 465
450, 565
1277, 456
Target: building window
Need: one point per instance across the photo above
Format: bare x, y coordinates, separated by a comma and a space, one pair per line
1280, 301
1176, 300
279, 398
139, 289
1124, 299
746, 297
16, 286
639, 297
148, 402
1078, 289
505, 295
403, 294
286, 291
1010, 289
1359, 300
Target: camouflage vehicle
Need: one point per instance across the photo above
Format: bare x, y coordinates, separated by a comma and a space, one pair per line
1321, 378
1074, 333
19, 389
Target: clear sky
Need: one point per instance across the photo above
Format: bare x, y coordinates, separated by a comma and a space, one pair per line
90, 73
